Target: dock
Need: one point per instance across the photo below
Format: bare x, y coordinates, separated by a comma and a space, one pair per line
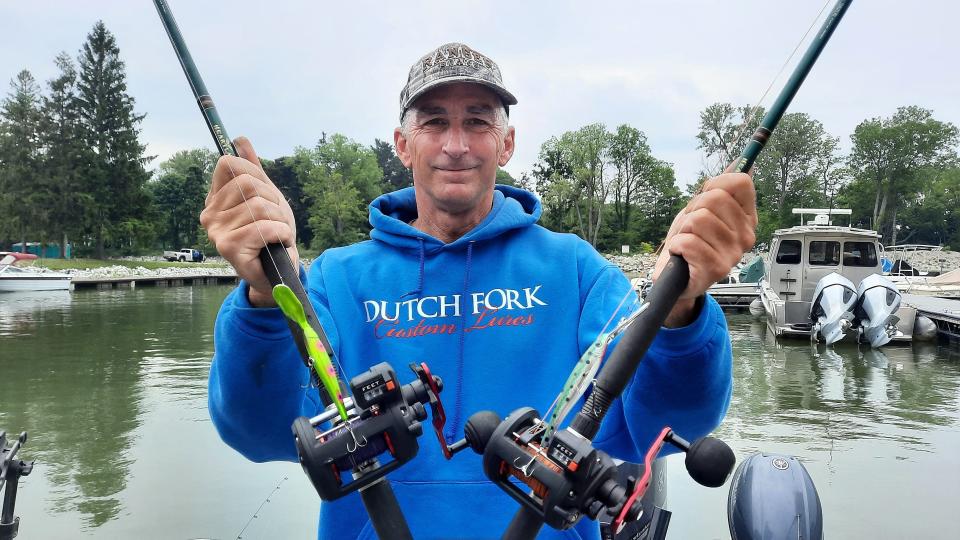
151, 281
944, 312
734, 296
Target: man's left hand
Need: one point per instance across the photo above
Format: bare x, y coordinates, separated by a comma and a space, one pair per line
712, 233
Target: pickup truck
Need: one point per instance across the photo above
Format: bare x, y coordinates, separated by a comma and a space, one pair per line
184, 255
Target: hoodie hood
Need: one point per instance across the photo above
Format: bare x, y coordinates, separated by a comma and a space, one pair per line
390, 214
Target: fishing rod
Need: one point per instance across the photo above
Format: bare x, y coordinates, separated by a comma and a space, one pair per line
373, 432
569, 478
11, 469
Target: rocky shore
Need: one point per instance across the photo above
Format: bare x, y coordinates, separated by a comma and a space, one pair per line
632, 265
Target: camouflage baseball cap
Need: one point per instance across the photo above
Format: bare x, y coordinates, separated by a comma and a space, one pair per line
452, 63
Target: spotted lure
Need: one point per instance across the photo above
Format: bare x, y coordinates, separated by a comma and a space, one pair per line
291, 307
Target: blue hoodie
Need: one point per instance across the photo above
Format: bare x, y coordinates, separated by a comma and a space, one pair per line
501, 314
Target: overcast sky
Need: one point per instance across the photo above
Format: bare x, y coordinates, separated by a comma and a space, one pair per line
282, 72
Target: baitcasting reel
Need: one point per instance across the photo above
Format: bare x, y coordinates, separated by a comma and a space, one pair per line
385, 420
569, 478
11, 469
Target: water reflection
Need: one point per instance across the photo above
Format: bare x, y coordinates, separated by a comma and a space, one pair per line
111, 386
802, 393
74, 372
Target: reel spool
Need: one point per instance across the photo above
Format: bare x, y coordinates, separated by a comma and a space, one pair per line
385, 420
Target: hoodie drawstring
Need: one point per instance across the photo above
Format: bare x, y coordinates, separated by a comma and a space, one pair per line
458, 407
419, 290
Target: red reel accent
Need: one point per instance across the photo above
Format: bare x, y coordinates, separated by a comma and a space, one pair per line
644, 481
436, 408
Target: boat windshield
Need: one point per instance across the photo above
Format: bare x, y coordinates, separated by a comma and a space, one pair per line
824, 253
859, 254
789, 252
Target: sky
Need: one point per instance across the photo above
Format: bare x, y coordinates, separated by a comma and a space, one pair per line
284, 72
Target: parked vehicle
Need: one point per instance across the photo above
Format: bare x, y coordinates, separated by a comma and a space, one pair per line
184, 255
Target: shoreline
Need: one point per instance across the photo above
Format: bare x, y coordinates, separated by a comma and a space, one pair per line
632, 265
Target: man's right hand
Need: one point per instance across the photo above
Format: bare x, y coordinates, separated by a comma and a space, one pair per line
238, 227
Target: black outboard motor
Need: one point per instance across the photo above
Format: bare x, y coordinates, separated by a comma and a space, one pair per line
772, 497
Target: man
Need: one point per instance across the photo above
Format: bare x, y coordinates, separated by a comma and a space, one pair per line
458, 274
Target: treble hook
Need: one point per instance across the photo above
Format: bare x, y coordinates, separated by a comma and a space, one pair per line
526, 469
356, 444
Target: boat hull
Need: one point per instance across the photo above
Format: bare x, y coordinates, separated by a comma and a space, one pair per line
34, 283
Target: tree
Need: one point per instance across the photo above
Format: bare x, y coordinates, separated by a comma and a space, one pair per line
889, 154
283, 173
395, 175
341, 178
505, 178
786, 169
116, 177
553, 175
724, 133
20, 157
179, 193
587, 150
631, 159
66, 157
935, 214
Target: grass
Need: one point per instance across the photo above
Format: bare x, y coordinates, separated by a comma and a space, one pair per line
84, 264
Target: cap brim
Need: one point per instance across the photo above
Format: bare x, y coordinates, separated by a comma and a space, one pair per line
505, 96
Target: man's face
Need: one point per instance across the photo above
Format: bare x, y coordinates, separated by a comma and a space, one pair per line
454, 147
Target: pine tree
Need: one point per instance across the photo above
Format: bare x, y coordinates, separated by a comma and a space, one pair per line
19, 156
66, 156
116, 177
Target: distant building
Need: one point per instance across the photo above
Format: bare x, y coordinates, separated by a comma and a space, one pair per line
50, 251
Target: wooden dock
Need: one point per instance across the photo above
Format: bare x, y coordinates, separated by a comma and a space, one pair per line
150, 281
944, 312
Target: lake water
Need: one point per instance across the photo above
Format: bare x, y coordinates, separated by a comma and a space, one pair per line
111, 386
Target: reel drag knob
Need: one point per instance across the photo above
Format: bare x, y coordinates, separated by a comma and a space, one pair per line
710, 461
477, 432
479, 428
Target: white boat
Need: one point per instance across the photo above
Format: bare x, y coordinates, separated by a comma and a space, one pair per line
914, 281
797, 303
13, 278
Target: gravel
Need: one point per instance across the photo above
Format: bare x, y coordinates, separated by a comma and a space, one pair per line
632, 265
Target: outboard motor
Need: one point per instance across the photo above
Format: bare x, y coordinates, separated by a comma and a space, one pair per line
772, 497
878, 300
832, 308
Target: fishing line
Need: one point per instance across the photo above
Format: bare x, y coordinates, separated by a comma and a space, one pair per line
269, 215
257, 512
753, 111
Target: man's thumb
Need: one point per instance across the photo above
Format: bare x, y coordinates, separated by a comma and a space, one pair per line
245, 150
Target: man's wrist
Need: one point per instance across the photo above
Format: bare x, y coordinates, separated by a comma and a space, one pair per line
684, 312
259, 299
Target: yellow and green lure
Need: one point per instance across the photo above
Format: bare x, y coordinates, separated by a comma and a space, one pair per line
291, 307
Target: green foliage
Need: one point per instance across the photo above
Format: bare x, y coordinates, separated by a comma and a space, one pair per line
800, 166
606, 186
20, 157
724, 133
66, 156
395, 175
341, 177
891, 160
178, 195
72, 170
504, 178
116, 174
283, 173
